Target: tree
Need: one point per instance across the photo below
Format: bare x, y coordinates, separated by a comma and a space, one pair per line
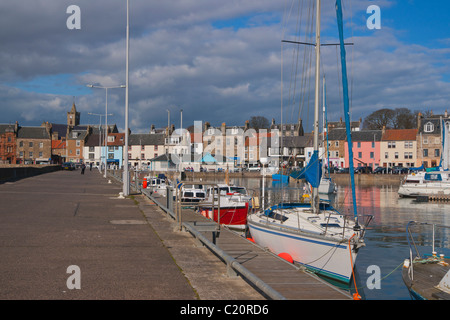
259, 122
379, 119
404, 119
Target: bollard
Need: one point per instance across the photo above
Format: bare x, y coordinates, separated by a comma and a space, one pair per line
144, 184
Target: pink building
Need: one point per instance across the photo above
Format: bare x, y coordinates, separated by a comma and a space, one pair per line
366, 148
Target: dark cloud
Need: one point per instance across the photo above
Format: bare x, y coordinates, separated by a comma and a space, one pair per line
219, 61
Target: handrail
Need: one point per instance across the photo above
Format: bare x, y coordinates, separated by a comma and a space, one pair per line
230, 261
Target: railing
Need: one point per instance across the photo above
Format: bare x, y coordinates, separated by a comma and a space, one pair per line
233, 266
413, 246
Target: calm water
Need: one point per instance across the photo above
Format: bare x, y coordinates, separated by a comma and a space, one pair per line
386, 242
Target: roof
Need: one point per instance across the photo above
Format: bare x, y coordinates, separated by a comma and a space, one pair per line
6, 128
337, 134
436, 125
32, 133
400, 134
146, 139
299, 141
367, 135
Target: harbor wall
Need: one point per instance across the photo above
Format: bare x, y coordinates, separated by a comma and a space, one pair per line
340, 179
16, 172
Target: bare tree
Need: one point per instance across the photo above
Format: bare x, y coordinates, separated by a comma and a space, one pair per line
379, 119
259, 122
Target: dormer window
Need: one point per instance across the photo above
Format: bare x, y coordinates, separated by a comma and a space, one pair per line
429, 127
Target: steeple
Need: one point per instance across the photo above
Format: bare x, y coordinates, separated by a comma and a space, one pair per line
73, 117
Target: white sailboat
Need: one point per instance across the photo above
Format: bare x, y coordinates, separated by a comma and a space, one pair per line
314, 234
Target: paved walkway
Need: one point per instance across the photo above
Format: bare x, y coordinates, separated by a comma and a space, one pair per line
57, 220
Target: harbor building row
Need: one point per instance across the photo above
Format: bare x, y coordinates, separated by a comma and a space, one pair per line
226, 147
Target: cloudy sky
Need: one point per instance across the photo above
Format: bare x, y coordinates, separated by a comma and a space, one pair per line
219, 61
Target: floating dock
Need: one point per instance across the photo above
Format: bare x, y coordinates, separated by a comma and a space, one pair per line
276, 278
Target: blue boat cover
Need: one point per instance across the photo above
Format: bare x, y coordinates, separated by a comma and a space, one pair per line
311, 173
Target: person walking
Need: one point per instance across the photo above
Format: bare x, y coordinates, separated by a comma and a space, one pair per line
83, 166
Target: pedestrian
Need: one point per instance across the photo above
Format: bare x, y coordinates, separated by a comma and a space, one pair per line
90, 166
83, 166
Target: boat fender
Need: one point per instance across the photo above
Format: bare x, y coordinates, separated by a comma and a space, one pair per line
286, 256
251, 239
144, 184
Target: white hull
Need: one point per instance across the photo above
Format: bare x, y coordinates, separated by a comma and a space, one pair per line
328, 255
420, 184
424, 189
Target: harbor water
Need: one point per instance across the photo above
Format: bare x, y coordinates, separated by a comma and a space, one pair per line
379, 263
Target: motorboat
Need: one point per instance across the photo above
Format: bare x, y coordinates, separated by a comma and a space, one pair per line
227, 205
423, 183
193, 193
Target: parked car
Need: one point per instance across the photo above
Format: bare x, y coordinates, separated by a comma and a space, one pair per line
400, 170
382, 170
68, 166
343, 170
363, 169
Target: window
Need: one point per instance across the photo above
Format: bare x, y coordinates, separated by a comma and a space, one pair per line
396, 155
373, 144
155, 148
425, 152
21, 144
408, 144
336, 143
429, 127
436, 152
21, 154
372, 155
78, 152
425, 140
40, 154
359, 144
359, 154
386, 155
30, 144
41, 145
142, 156
91, 156
78, 143
142, 148
31, 154
391, 144
408, 155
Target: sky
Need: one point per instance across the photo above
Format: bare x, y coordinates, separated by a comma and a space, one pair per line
218, 61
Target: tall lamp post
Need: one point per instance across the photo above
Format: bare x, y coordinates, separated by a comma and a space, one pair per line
106, 116
126, 175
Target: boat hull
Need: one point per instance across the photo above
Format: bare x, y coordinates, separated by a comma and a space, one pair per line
327, 186
232, 217
329, 258
424, 189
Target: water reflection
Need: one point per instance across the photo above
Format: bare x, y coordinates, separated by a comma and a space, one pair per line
386, 242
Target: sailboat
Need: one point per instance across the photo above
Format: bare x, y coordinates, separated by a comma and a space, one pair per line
315, 234
326, 186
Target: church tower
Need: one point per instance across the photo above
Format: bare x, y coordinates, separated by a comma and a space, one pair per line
73, 117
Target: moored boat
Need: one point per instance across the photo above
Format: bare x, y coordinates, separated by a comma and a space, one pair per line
427, 277
315, 234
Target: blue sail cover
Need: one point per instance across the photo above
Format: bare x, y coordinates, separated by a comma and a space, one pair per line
311, 173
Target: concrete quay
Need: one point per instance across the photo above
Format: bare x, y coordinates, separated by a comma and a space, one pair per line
124, 249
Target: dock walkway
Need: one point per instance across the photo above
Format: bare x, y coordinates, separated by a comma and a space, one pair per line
287, 280
125, 249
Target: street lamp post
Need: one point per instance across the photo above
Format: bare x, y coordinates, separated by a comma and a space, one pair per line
106, 117
126, 176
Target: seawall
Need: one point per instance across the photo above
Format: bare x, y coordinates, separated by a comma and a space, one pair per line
16, 172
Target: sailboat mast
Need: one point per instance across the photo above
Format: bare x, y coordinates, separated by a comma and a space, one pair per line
315, 195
